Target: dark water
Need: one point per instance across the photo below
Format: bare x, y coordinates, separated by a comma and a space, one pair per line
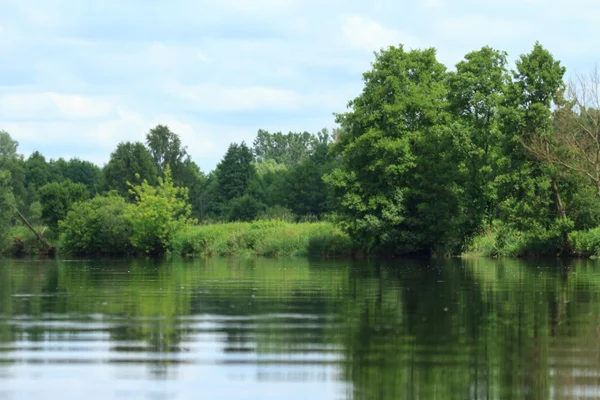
265, 329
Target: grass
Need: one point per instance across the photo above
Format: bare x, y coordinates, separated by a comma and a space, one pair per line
30, 241
271, 238
501, 242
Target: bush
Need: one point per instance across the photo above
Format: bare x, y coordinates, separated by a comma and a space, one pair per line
244, 208
586, 243
160, 213
57, 199
277, 212
97, 226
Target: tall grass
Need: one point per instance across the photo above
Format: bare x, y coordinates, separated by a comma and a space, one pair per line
31, 243
270, 238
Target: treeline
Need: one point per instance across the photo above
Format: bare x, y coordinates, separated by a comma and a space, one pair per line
279, 176
438, 161
482, 158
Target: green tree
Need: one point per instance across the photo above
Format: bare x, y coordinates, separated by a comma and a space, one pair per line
166, 148
58, 198
235, 172
158, 215
97, 226
7, 207
13, 162
130, 162
81, 171
397, 188
37, 170
528, 189
476, 92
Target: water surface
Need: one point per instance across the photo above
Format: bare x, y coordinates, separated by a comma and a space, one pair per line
294, 329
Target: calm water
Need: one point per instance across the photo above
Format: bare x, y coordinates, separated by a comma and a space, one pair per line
265, 329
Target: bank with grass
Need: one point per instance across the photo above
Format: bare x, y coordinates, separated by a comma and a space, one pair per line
270, 238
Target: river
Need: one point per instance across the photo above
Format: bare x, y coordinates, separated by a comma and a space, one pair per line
299, 329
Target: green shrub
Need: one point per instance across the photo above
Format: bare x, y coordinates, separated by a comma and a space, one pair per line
97, 226
159, 214
277, 212
586, 243
244, 208
270, 238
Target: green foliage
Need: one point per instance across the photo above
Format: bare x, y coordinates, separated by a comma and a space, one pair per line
13, 163
394, 195
270, 238
57, 199
97, 226
503, 240
130, 162
587, 242
7, 208
85, 172
165, 148
244, 208
277, 213
235, 172
159, 214
289, 150
37, 170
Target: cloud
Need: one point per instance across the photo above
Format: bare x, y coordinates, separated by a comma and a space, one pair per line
49, 105
81, 76
368, 35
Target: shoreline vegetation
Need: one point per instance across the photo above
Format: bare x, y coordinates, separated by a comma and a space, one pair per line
482, 159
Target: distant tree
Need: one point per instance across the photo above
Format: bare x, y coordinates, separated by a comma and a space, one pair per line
166, 149
235, 172
81, 171
130, 162
57, 198
37, 170
7, 207
13, 162
287, 149
244, 208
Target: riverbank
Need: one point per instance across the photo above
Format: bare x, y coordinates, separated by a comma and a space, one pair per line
497, 242
270, 238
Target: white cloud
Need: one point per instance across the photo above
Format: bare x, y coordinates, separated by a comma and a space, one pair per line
369, 35
53, 105
484, 28
215, 97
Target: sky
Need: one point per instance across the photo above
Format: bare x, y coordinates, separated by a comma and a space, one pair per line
79, 76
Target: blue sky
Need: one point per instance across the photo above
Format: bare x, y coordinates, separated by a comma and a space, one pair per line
79, 76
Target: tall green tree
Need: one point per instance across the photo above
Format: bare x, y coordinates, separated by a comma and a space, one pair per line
476, 93
397, 190
166, 148
528, 189
130, 162
235, 171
